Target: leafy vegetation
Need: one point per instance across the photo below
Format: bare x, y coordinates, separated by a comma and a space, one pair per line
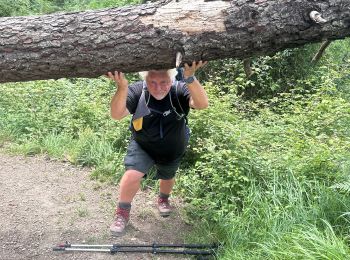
267, 170
29, 7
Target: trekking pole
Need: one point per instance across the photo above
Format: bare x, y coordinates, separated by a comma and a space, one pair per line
155, 248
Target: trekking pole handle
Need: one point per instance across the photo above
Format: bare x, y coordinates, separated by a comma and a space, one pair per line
188, 245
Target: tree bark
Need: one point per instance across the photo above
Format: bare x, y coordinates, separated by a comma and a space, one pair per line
136, 38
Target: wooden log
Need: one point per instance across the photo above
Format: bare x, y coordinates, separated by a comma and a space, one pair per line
148, 36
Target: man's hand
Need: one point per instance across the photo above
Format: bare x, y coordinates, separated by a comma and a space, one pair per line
190, 70
119, 79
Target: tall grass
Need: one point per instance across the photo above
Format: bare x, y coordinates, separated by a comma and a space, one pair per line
284, 219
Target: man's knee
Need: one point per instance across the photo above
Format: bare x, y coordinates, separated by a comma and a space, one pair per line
132, 176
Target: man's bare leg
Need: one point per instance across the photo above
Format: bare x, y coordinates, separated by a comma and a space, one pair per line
129, 185
166, 186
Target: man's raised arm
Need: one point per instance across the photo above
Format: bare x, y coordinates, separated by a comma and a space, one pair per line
118, 103
199, 98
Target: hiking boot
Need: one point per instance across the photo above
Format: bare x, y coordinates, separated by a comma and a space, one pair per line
164, 207
120, 221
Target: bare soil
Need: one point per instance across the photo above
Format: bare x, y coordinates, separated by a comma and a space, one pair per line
45, 203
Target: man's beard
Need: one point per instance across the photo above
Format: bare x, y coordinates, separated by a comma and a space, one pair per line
160, 96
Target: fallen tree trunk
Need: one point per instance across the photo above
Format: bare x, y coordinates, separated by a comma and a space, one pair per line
88, 44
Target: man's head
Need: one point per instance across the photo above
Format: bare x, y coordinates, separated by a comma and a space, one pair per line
159, 82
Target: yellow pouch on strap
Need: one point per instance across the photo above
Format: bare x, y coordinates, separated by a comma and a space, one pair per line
137, 123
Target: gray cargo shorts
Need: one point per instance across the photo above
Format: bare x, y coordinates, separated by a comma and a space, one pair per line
137, 159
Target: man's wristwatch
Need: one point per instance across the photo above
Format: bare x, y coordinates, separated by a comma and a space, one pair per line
190, 79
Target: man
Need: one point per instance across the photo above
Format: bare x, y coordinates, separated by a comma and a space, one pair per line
159, 106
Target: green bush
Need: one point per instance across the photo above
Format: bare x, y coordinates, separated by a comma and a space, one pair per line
228, 151
14, 7
29, 7
66, 120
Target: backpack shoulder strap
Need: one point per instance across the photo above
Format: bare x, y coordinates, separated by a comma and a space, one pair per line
177, 96
175, 87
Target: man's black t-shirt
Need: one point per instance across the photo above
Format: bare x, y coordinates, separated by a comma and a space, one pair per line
171, 144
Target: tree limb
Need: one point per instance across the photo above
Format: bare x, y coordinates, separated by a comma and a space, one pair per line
148, 36
320, 52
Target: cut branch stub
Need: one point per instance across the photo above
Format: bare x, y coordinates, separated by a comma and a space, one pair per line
316, 17
178, 59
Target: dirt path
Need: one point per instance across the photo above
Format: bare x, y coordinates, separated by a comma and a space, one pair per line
44, 203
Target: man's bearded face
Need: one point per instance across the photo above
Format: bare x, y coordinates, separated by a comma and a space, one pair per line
158, 83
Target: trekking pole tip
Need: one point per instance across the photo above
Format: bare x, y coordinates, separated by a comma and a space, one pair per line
58, 248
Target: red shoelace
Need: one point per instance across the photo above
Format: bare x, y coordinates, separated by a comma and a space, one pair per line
164, 202
124, 213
